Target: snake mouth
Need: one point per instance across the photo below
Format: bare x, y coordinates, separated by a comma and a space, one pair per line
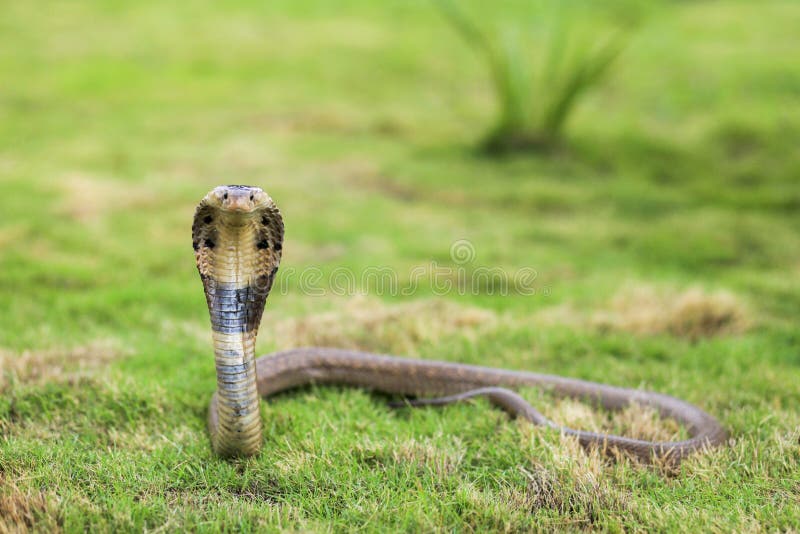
238, 204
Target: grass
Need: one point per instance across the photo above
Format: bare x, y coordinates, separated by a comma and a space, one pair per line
540, 67
664, 242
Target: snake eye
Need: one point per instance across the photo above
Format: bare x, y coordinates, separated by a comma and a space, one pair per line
225, 196
251, 197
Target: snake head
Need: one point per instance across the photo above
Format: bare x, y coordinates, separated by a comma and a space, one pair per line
238, 198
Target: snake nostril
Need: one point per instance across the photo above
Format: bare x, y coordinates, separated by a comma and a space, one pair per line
251, 197
225, 196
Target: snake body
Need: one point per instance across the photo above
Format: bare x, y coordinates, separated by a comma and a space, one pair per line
237, 236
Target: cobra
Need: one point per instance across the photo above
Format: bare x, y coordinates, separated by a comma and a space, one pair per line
237, 236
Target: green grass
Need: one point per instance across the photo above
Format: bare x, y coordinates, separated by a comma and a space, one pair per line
358, 117
540, 67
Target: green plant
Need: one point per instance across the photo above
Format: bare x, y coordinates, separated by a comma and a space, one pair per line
538, 77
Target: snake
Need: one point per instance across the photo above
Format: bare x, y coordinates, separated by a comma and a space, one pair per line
237, 237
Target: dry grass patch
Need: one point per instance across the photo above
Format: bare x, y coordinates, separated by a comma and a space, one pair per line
368, 324
691, 314
644, 422
38, 366
144, 438
12, 233
88, 199
635, 421
439, 461
573, 492
26, 511
422, 453
567, 480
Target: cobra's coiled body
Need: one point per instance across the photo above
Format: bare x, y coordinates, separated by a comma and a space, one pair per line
238, 235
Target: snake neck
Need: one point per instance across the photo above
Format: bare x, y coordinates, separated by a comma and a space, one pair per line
238, 429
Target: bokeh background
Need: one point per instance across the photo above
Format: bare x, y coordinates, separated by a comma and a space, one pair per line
660, 216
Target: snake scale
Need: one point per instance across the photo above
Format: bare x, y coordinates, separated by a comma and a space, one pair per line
237, 236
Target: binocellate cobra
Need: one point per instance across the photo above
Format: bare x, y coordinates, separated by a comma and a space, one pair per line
237, 236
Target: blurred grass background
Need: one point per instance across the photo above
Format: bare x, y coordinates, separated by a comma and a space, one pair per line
664, 231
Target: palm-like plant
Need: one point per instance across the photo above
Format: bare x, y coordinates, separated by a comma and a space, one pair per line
536, 89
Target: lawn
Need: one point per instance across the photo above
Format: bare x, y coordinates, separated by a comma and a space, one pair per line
662, 240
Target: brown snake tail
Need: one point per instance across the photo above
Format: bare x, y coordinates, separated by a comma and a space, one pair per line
237, 236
